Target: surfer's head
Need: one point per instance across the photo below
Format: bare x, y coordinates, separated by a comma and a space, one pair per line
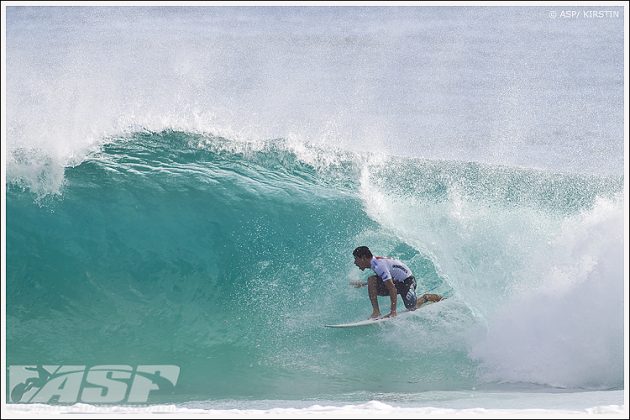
362, 257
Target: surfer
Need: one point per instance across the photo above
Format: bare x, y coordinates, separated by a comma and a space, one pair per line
392, 278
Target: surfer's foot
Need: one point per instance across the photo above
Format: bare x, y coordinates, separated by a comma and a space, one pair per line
375, 315
428, 297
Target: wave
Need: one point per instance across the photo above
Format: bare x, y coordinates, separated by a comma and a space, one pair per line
226, 258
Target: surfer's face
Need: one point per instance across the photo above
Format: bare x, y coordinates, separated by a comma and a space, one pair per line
362, 263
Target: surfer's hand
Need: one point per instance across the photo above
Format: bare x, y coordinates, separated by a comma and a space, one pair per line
357, 283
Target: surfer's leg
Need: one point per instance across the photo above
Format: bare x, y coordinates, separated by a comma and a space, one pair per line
373, 293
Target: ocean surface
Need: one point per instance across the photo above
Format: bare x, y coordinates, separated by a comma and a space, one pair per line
185, 186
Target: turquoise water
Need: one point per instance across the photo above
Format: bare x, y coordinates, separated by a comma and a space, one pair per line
227, 259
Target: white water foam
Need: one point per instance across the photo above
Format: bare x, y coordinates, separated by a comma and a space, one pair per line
546, 289
566, 328
466, 405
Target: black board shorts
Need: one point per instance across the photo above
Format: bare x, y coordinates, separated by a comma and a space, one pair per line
406, 289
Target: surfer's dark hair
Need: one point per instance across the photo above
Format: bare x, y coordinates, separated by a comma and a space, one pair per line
362, 251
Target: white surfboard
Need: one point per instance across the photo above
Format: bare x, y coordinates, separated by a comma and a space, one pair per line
365, 322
